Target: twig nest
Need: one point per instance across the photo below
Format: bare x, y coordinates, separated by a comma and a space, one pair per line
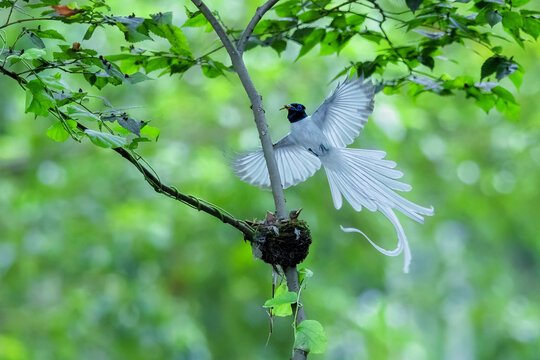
281, 242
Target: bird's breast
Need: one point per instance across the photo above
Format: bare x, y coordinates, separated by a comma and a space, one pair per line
308, 135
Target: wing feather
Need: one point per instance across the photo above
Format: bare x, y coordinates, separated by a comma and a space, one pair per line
343, 114
295, 164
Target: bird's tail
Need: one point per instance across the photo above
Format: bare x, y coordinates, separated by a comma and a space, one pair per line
367, 180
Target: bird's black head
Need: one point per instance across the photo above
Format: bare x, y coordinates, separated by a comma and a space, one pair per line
296, 112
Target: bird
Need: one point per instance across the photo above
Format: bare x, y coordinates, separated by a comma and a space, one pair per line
363, 177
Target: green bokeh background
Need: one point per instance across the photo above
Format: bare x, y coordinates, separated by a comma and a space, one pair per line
95, 265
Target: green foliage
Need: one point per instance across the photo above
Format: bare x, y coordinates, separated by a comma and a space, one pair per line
280, 304
310, 336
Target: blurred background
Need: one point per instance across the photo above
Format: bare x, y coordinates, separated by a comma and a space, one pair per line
95, 265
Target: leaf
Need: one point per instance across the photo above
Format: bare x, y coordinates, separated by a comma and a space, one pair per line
162, 18
310, 337
281, 302
517, 78
48, 34
504, 94
176, 37
80, 113
130, 124
57, 132
413, 4
493, 17
132, 27
531, 26
279, 45
38, 101
150, 131
490, 66
33, 53
36, 40
89, 32
430, 34
310, 41
288, 297
65, 10
105, 140
512, 20
196, 21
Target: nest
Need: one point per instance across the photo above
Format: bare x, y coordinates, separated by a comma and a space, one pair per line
281, 242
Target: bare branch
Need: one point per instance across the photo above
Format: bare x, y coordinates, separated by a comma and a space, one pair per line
261, 10
256, 106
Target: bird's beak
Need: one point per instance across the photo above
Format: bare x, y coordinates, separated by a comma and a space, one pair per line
285, 107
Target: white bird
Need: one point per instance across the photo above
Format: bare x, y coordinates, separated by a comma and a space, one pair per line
363, 177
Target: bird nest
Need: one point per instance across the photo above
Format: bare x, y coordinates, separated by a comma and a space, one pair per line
283, 242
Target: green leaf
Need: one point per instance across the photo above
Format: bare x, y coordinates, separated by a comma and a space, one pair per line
512, 20
196, 21
310, 337
132, 27
57, 132
493, 17
36, 40
518, 3
517, 78
49, 34
88, 34
504, 94
310, 41
105, 140
531, 26
33, 53
279, 45
288, 297
413, 4
176, 37
38, 101
80, 113
162, 18
150, 131
281, 302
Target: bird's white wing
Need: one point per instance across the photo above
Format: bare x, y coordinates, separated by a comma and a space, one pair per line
343, 114
295, 164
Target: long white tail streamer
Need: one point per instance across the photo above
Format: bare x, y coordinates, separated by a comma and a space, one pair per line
402, 245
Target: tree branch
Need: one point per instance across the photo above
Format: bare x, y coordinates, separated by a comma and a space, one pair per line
254, 21
172, 192
292, 284
256, 106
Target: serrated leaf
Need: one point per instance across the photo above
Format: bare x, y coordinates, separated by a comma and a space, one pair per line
80, 113
504, 94
105, 140
310, 337
279, 45
162, 18
177, 39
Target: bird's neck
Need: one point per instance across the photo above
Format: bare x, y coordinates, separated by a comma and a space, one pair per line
296, 116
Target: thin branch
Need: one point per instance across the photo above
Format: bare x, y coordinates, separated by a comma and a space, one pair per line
293, 285
10, 12
190, 200
256, 106
25, 20
261, 10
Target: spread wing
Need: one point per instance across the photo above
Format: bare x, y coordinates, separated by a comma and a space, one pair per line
343, 114
295, 164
